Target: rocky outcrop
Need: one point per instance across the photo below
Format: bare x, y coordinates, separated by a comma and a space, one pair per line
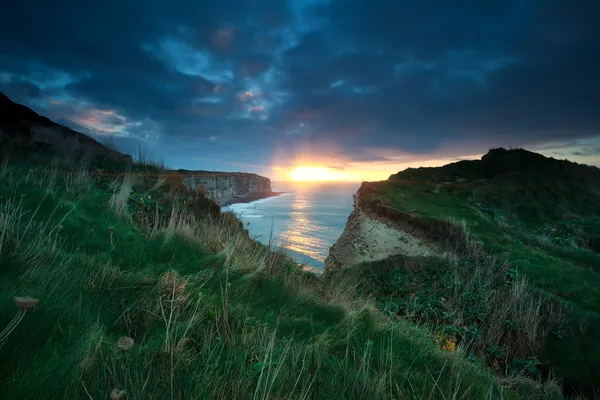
375, 231
227, 187
371, 236
23, 128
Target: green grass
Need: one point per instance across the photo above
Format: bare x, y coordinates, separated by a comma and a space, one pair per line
212, 313
540, 215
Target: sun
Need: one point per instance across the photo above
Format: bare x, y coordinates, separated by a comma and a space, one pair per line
311, 174
308, 173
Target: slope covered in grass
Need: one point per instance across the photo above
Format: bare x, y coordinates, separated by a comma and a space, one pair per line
521, 288
146, 291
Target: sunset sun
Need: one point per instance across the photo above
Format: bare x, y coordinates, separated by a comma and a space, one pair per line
311, 174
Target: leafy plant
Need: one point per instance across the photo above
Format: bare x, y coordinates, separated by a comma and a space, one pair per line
495, 352
251, 321
388, 307
473, 331
426, 305
290, 267
473, 306
449, 330
396, 281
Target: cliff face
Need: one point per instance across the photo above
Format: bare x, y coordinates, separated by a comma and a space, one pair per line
22, 128
226, 187
408, 214
526, 252
375, 231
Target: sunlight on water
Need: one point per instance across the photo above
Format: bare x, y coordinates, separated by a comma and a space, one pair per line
306, 220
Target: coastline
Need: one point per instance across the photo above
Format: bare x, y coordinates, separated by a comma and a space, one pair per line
251, 197
262, 219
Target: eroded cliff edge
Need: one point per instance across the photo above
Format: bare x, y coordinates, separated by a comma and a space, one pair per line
228, 187
502, 253
375, 231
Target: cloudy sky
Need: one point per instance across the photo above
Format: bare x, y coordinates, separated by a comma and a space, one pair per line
364, 87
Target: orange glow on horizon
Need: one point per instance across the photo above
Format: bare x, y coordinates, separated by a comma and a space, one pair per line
312, 174
306, 170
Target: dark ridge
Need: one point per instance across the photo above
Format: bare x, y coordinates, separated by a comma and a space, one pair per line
500, 161
21, 128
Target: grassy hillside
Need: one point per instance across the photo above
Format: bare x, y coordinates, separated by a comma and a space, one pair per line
147, 291
520, 291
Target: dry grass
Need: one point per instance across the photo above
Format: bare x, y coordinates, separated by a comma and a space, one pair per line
221, 234
478, 301
536, 390
143, 158
508, 299
344, 293
120, 197
94, 343
23, 234
79, 179
511, 300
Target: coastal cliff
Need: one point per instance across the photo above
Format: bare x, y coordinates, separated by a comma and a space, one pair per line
431, 210
371, 234
375, 231
228, 187
501, 253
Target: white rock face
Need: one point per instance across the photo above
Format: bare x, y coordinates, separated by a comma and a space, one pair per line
223, 187
367, 239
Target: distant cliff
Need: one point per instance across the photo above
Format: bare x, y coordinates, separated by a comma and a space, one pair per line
228, 187
23, 128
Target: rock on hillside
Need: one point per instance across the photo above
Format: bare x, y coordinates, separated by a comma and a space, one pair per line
23, 128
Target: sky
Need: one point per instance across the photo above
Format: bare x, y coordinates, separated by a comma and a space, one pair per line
363, 88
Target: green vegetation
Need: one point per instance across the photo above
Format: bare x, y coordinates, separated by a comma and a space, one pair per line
147, 291
520, 290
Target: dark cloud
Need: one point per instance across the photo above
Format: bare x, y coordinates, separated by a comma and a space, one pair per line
514, 70
19, 89
590, 151
253, 66
246, 79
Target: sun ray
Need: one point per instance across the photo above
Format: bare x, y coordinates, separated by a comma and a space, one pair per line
312, 173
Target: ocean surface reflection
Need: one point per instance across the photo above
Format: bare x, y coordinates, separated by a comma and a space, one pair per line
306, 220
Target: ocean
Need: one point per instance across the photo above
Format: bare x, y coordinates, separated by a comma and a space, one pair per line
306, 220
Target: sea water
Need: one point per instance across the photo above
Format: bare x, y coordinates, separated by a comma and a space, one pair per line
305, 221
